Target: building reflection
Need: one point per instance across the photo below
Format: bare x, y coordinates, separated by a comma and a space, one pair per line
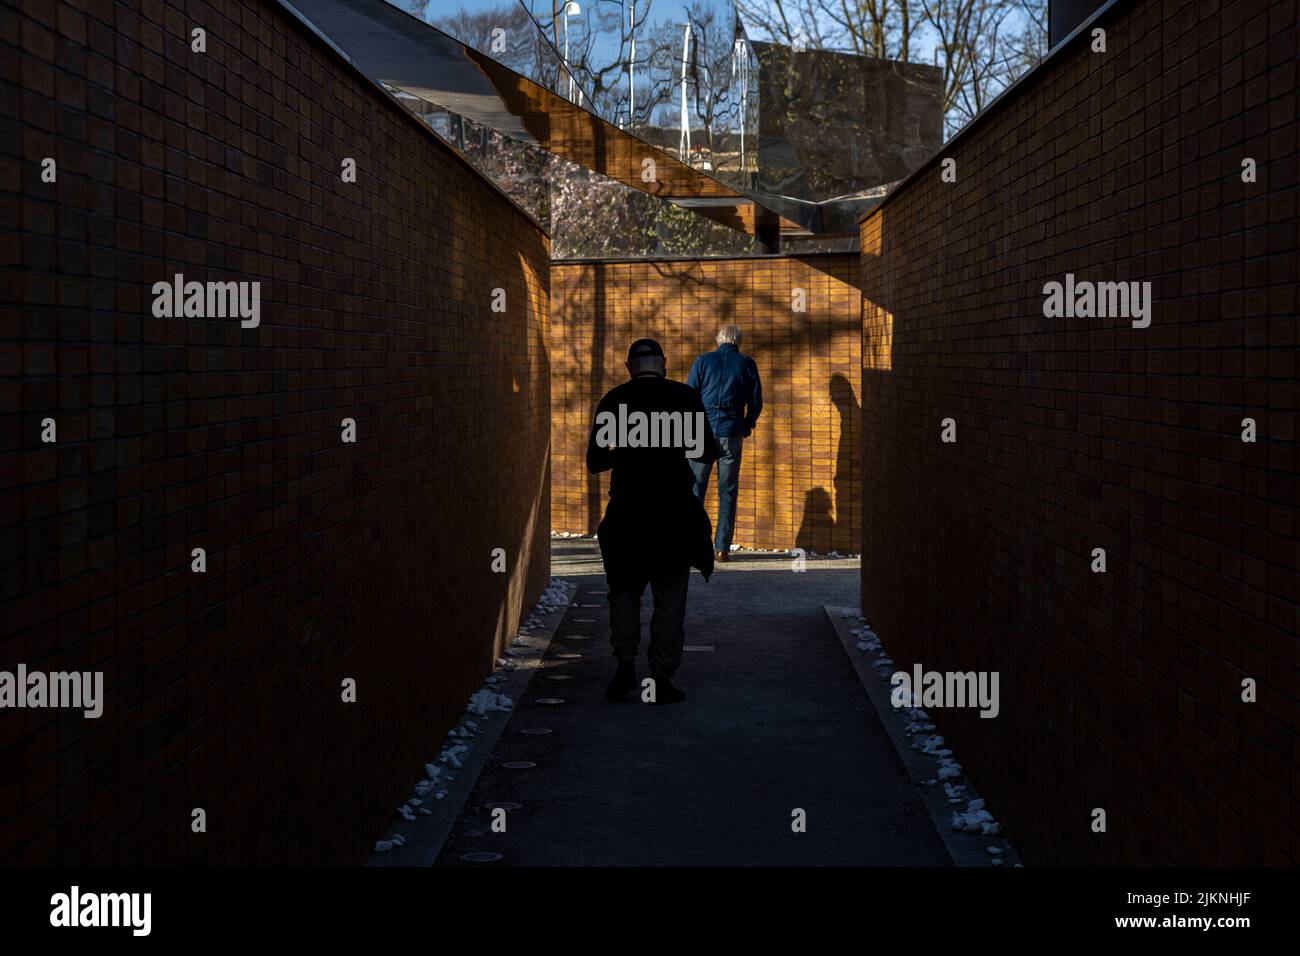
754, 145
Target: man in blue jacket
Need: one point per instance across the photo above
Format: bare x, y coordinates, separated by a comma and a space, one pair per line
728, 383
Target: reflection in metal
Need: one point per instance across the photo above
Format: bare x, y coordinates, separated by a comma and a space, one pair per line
740, 76
765, 140
403, 53
626, 54
571, 9
837, 130
684, 140
631, 65
590, 215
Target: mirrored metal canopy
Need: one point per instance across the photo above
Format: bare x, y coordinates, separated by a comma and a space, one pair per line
398, 50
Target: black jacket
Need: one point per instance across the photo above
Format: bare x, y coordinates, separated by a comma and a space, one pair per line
653, 519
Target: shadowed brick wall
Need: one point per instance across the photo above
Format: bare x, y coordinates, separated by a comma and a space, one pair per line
326, 560
1119, 690
799, 470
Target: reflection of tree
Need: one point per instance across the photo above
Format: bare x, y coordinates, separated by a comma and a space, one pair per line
596, 217
880, 28
606, 40
713, 105
600, 54
517, 45
836, 123
984, 45
600, 48
588, 215
521, 171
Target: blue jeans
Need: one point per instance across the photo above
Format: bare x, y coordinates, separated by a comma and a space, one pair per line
728, 482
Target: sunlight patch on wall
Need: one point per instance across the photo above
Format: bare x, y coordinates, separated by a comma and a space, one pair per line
877, 322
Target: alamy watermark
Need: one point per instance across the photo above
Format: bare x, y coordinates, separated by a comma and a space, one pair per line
1101, 300
651, 430
79, 690
922, 688
75, 908
208, 300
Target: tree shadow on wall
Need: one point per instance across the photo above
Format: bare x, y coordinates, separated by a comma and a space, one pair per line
589, 397
683, 303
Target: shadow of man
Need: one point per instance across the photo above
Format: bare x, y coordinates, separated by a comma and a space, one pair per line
816, 528
847, 457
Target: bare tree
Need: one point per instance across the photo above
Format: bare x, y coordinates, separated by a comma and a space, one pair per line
698, 71
985, 46
599, 45
982, 45
881, 28
506, 33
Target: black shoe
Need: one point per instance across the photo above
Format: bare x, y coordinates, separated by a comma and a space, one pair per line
666, 693
624, 681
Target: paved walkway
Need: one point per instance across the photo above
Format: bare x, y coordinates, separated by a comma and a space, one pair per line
775, 719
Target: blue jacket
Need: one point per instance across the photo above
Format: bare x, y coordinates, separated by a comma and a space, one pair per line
728, 384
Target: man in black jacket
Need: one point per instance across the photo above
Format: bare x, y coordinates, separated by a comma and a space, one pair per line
655, 529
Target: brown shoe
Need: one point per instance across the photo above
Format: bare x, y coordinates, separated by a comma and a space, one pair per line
721, 557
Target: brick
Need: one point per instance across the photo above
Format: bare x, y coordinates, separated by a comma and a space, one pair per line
369, 561
799, 482
1119, 690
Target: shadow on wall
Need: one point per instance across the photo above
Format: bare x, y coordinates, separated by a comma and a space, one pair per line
599, 346
526, 536
498, 398
600, 308
822, 514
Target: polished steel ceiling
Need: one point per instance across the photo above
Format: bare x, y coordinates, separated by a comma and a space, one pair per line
396, 49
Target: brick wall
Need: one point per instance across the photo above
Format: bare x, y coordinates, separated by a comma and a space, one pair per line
799, 470
1119, 690
325, 560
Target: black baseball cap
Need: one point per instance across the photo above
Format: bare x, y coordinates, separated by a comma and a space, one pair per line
643, 347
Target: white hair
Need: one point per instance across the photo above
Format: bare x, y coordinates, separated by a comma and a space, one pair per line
728, 335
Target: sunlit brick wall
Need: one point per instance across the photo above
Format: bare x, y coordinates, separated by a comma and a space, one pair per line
325, 560
799, 470
1119, 690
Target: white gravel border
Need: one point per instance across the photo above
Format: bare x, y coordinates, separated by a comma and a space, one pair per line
426, 818
969, 831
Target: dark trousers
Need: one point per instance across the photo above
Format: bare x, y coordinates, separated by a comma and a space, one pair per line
626, 585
